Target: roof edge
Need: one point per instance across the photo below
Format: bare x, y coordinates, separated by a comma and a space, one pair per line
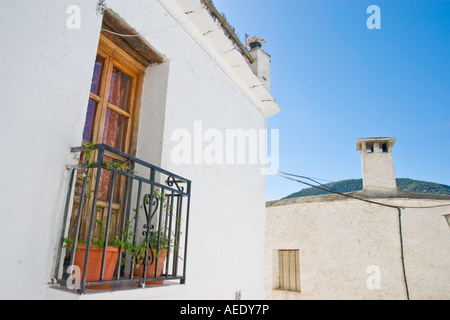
399, 195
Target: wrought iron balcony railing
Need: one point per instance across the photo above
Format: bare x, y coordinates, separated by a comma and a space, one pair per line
125, 223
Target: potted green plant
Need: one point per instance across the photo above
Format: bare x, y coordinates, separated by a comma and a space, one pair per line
155, 257
96, 257
161, 240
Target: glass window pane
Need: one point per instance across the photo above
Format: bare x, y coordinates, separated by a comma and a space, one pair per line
88, 125
114, 133
95, 85
120, 90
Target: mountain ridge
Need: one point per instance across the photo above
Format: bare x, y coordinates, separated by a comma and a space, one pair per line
351, 185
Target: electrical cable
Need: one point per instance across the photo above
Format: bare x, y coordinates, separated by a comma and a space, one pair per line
402, 253
327, 189
324, 188
193, 13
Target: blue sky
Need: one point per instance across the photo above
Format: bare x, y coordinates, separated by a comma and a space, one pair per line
336, 81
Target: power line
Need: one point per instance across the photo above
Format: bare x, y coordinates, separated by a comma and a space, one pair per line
323, 187
192, 13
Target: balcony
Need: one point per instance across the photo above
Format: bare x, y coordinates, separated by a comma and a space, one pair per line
122, 218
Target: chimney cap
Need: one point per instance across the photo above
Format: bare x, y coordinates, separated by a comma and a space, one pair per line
387, 140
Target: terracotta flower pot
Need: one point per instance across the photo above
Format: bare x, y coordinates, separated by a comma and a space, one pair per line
95, 263
139, 272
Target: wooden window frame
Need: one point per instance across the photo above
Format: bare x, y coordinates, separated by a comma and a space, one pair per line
113, 56
116, 57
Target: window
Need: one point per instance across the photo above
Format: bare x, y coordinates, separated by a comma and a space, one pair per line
114, 98
111, 119
289, 270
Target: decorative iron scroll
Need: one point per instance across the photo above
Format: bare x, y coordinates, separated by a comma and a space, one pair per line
155, 203
172, 181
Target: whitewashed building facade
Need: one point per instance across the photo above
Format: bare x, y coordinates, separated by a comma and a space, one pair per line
134, 77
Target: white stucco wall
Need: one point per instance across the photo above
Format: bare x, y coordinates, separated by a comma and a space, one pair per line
339, 240
221, 218
45, 79
46, 70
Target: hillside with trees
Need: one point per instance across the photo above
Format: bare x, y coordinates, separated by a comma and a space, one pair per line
351, 185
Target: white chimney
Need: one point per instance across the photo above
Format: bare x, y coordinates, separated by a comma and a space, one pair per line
261, 66
377, 165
